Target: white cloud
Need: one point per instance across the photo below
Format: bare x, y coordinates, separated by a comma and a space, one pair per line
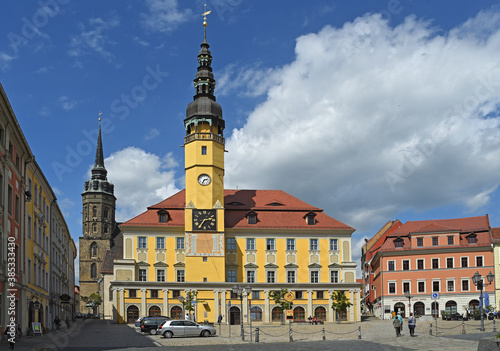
93, 39
42, 70
67, 103
140, 41
5, 59
141, 179
369, 121
153, 133
253, 79
164, 15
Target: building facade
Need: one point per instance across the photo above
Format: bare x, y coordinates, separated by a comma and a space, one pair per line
186, 253
28, 231
99, 205
433, 260
368, 251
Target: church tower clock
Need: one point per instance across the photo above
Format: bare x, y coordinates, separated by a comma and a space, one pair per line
98, 221
204, 167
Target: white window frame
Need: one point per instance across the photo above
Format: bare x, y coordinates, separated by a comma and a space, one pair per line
164, 274
311, 244
403, 285
462, 286
432, 285
158, 238
467, 258
394, 263
179, 240
177, 275
425, 286
270, 244
145, 275
403, 265
338, 275
454, 285
251, 272
423, 264
389, 287
139, 242
273, 271
334, 244
482, 259
452, 262
292, 242
318, 272
438, 261
294, 271
250, 244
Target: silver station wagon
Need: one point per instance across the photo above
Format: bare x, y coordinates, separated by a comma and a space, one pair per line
184, 328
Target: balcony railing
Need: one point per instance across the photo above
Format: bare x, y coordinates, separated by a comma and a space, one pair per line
204, 136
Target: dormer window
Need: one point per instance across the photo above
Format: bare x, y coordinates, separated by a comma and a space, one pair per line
310, 218
398, 242
251, 217
472, 238
163, 216
275, 203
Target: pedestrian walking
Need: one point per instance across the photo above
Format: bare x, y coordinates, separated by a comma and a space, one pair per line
412, 323
57, 323
11, 336
398, 324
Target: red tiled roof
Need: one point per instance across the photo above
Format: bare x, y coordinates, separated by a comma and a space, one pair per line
495, 233
289, 214
462, 225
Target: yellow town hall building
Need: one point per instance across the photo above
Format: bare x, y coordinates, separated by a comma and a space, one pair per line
199, 243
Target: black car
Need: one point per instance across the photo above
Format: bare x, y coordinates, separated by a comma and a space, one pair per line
150, 324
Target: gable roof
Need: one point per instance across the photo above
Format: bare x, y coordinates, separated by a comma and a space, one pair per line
460, 225
289, 215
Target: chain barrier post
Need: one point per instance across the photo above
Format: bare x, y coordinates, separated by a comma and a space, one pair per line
463, 327
430, 330
257, 335
324, 336
359, 333
290, 330
494, 326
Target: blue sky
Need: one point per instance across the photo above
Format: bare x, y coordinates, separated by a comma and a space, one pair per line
372, 110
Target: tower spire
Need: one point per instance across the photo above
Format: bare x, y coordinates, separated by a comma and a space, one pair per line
99, 181
99, 171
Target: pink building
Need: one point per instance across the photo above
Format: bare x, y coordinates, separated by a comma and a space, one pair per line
433, 260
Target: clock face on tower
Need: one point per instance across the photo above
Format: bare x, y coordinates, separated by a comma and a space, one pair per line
204, 220
204, 179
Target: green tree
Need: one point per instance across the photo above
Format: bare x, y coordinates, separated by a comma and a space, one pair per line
340, 303
93, 301
189, 306
279, 298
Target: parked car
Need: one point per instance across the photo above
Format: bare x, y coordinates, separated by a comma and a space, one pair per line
150, 324
184, 328
138, 322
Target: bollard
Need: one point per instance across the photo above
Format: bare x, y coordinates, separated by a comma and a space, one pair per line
359, 333
257, 335
494, 326
430, 330
463, 327
324, 336
290, 330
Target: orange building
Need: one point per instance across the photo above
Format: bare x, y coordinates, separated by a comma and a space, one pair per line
433, 260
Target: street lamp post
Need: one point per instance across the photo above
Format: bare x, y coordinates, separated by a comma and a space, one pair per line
478, 282
182, 299
238, 290
408, 296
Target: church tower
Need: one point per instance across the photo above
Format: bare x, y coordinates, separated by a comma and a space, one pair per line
98, 221
204, 167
